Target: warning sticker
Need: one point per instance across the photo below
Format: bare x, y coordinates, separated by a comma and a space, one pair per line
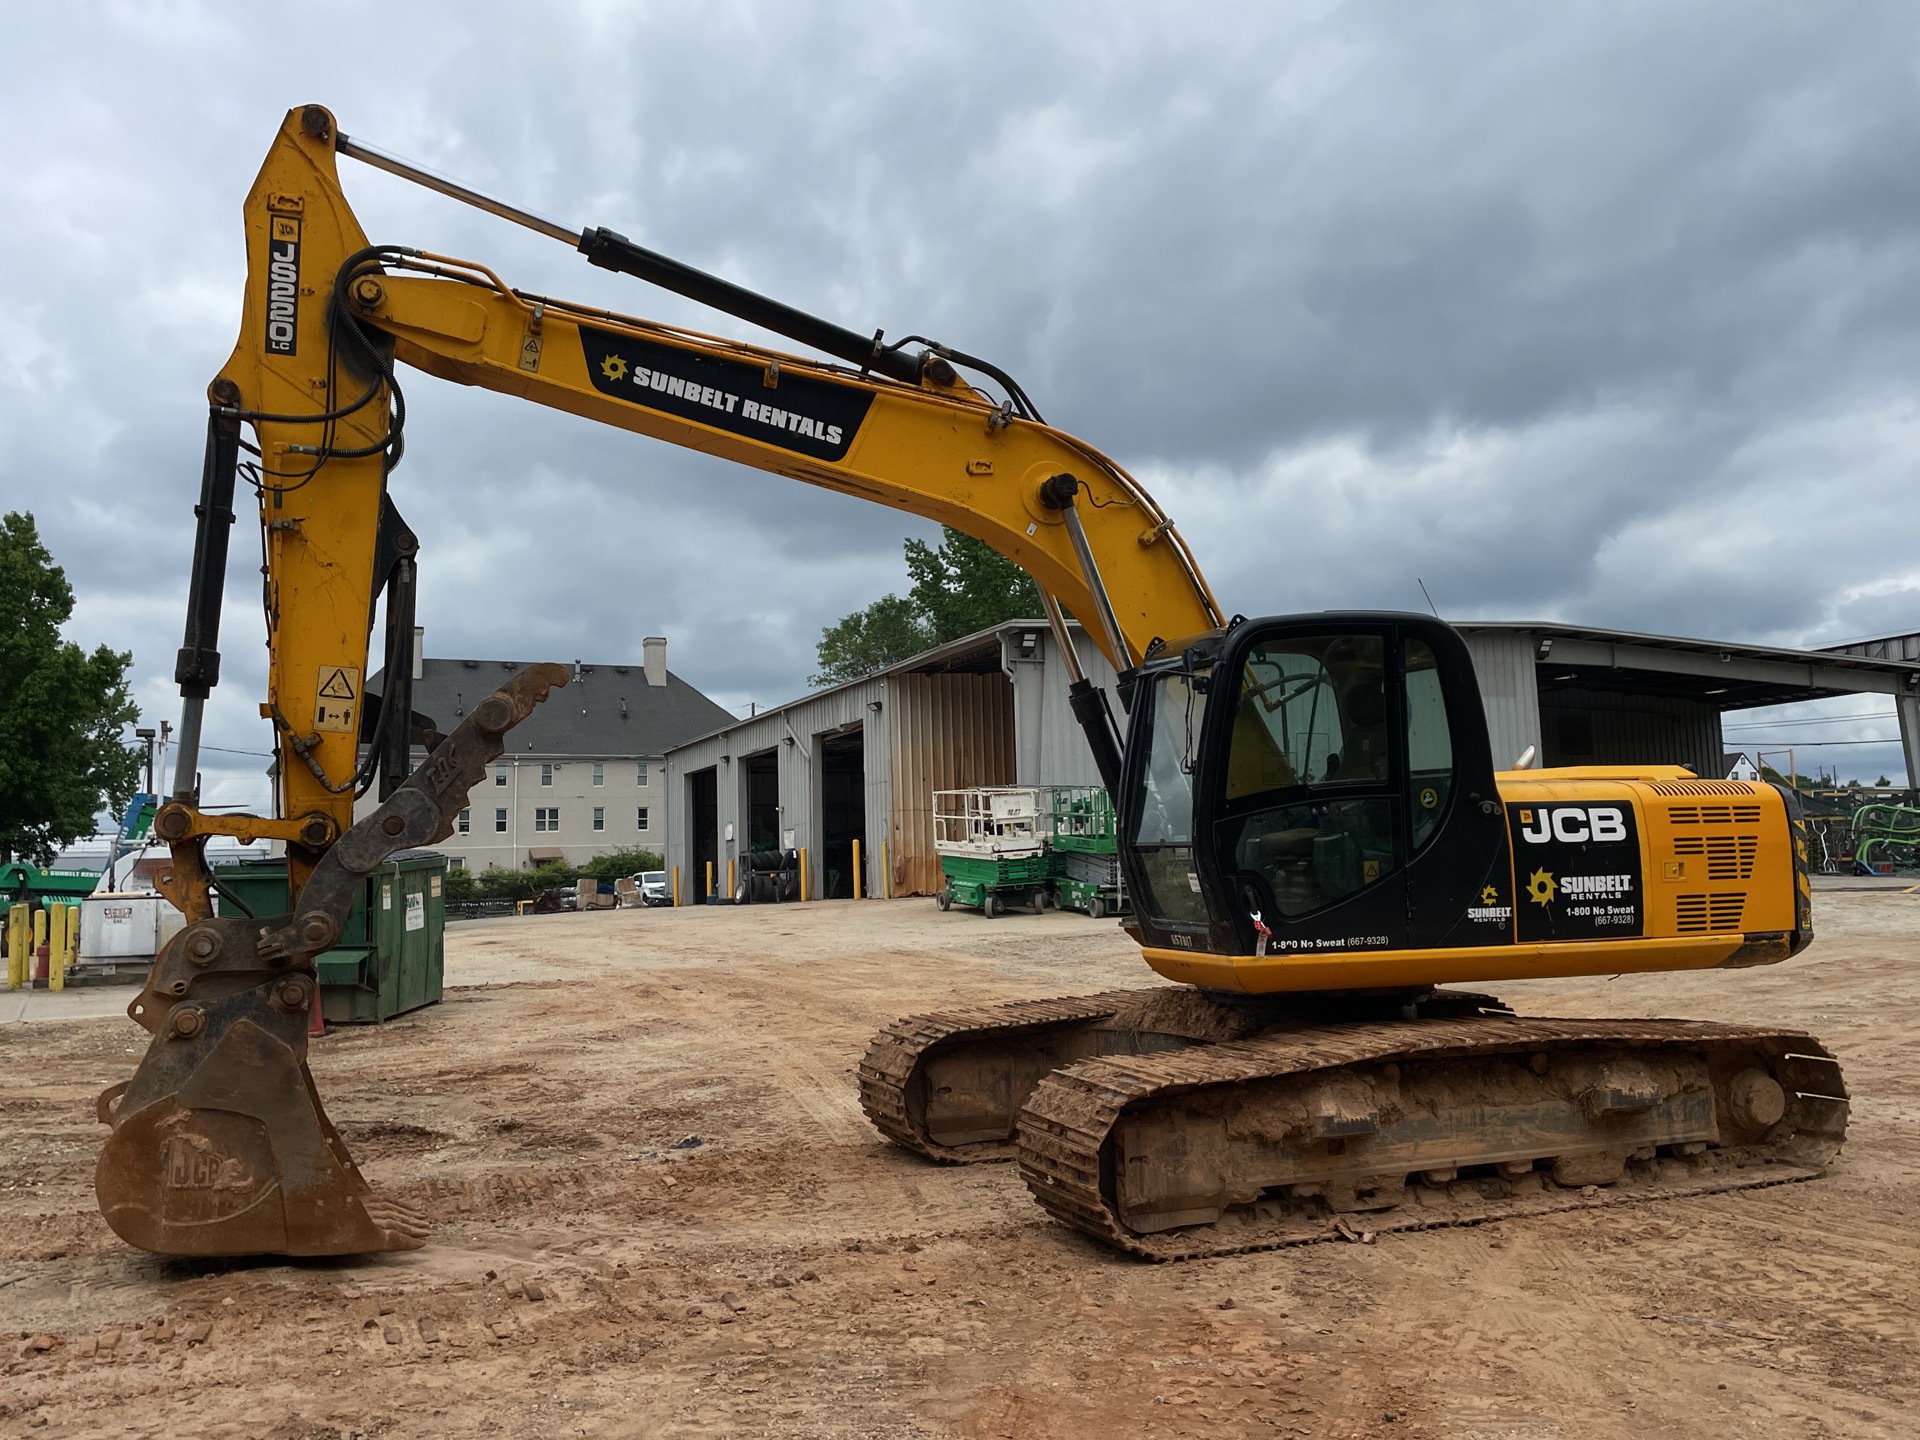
416, 911
337, 706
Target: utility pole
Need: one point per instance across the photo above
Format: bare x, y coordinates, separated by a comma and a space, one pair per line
147, 736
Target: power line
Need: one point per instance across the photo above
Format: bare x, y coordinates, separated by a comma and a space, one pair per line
1790, 742
1813, 720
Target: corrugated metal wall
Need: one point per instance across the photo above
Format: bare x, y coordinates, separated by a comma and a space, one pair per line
1510, 692
1598, 727
1050, 748
944, 732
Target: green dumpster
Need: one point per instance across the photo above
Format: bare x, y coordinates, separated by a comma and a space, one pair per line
392, 949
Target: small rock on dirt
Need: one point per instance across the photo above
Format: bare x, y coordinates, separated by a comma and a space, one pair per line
733, 1302
197, 1333
782, 1282
1228, 1304
38, 1345
429, 1331
109, 1339
687, 1142
386, 1309
808, 1275
392, 1332
515, 1289
534, 1290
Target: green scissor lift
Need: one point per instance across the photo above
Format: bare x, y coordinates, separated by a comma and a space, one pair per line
1086, 851
992, 846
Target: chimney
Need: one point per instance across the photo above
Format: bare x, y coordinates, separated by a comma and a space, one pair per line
654, 648
419, 651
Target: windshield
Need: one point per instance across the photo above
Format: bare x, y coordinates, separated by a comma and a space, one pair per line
1163, 833
1166, 813
653, 877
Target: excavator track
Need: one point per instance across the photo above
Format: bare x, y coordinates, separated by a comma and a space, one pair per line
1330, 1132
903, 1074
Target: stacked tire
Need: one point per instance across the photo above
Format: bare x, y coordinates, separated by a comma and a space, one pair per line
772, 877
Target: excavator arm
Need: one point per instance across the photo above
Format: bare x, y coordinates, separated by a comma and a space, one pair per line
220, 1145
328, 315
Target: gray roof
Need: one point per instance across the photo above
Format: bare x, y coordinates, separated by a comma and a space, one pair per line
608, 710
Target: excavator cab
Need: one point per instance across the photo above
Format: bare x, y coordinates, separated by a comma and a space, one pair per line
1310, 782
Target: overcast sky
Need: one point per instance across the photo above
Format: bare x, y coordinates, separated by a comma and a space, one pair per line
1601, 313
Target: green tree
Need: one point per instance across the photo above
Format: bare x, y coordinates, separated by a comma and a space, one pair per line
959, 586
963, 585
615, 863
62, 712
886, 632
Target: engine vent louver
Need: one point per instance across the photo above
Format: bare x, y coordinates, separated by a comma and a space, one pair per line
1672, 788
1729, 857
1701, 914
1713, 815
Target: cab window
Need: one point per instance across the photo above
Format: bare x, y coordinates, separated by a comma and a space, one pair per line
1311, 711
1429, 743
1311, 737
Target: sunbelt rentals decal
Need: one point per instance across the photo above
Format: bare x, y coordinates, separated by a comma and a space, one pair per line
1577, 870
792, 412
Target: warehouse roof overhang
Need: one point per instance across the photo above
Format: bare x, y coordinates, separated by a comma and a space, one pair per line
1718, 672
981, 653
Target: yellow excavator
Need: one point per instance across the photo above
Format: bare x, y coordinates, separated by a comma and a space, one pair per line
1311, 824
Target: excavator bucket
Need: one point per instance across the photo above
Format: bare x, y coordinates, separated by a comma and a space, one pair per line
219, 1144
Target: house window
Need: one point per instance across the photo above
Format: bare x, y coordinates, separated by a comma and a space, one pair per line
546, 774
640, 773
500, 775
599, 817
599, 773
464, 822
640, 818
499, 822
546, 818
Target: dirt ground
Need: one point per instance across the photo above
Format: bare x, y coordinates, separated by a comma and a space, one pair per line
594, 1272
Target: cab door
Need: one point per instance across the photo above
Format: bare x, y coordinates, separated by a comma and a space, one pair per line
1308, 823
1335, 793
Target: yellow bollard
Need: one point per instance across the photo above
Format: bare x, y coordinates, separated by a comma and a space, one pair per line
19, 945
709, 890
856, 869
676, 887
39, 945
59, 930
803, 873
731, 892
73, 938
886, 872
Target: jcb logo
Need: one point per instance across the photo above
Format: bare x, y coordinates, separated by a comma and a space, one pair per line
1572, 824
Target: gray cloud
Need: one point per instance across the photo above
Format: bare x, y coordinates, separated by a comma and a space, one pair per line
1603, 314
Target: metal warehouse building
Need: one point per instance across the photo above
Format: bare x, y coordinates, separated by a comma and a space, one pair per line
862, 760
1580, 696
